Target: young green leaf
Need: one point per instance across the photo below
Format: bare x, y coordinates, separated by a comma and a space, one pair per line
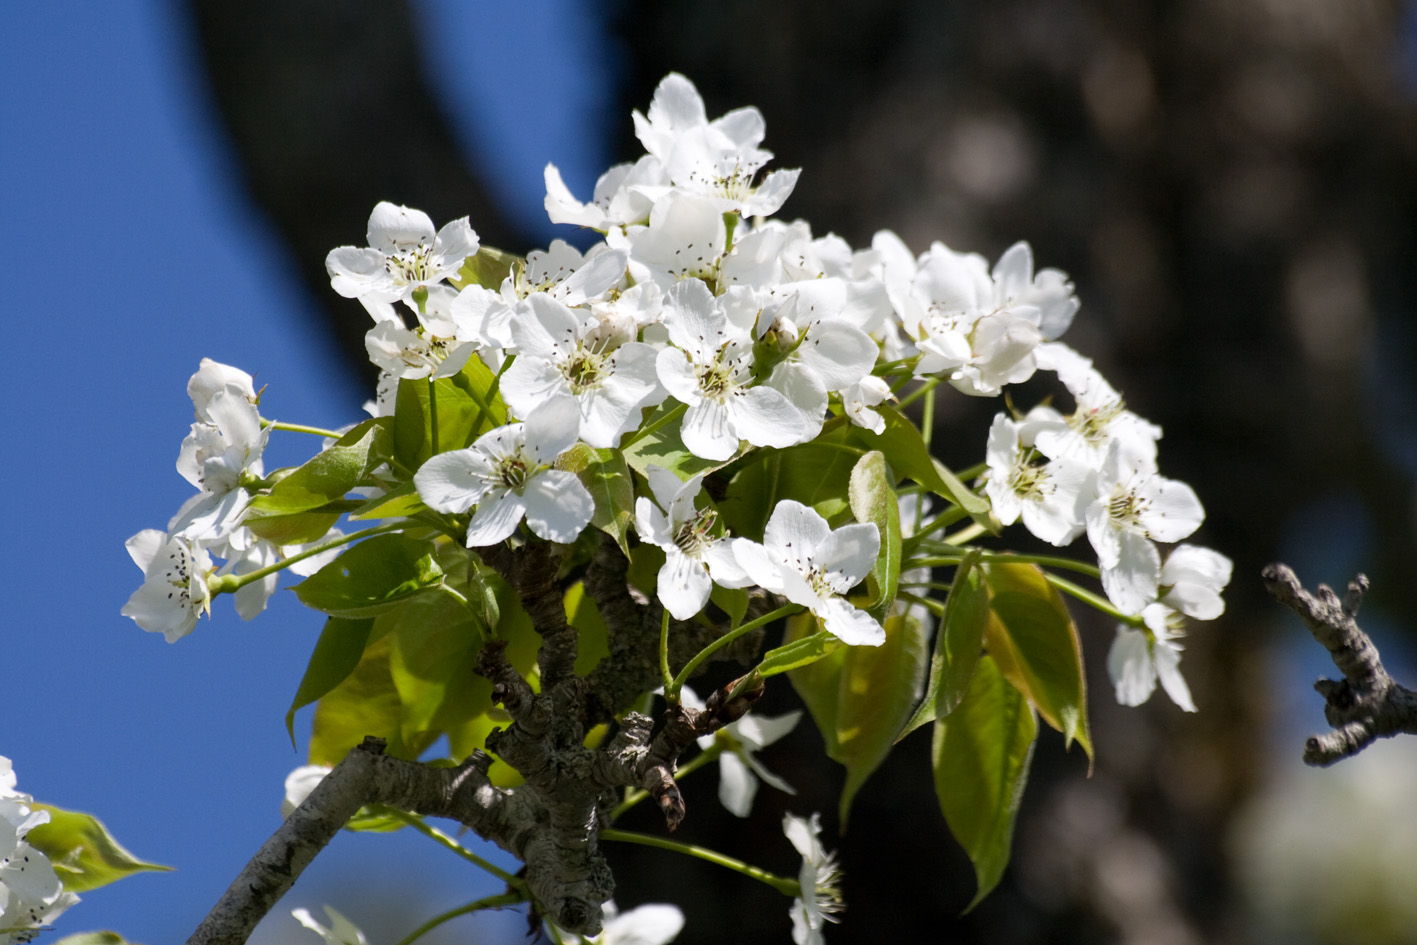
372, 577
337, 652
606, 477
487, 267
1032, 637
288, 512
909, 456
82, 851
980, 756
957, 645
873, 499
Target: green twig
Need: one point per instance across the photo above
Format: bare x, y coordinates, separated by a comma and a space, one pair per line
678, 682
490, 902
784, 885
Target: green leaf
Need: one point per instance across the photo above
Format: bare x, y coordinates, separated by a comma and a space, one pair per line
1032, 637
798, 653
372, 577
733, 601
94, 938
465, 408
435, 642
287, 514
83, 852
909, 456
957, 645
663, 447
873, 499
817, 474
606, 477
399, 502
487, 267
858, 695
366, 702
980, 756
879, 684
337, 652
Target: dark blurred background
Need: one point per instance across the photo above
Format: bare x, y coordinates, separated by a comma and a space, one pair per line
1230, 185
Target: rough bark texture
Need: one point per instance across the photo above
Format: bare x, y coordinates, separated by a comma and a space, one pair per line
1366, 703
552, 821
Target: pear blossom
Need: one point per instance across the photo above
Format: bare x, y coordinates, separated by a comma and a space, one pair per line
1099, 418
739, 769
622, 195
820, 877
341, 931
693, 558
1134, 507
438, 347
1192, 579
717, 160
215, 456
298, 785
31, 894
1139, 658
1050, 497
213, 376
562, 355
404, 254
651, 924
175, 590
807, 562
710, 370
507, 475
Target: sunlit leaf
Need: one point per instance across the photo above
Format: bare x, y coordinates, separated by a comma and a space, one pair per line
606, 477
372, 577
957, 644
82, 851
873, 499
980, 755
1032, 638
337, 652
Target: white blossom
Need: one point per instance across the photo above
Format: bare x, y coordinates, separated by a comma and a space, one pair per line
694, 559
31, 894
652, 924
175, 590
1139, 658
710, 370
507, 475
404, 254
807, 562
341, 931
563, 355
1050, 497
820, 878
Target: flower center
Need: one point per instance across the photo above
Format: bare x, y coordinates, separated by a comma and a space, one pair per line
1092, 423
514, 470
693, 537
585, 370
410, 266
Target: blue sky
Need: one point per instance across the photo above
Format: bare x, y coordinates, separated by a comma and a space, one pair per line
122, 205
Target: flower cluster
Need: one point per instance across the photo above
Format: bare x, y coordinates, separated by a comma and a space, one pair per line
31, 895
1094, 470
221, 457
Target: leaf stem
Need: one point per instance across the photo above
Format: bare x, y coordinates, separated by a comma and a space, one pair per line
489, 902
670, 415
671, 691
300, 428
448, 843
784, 885
230, 583
432, 417
678, 682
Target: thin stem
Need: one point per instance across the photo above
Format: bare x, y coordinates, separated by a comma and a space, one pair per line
230, 583
929, 603
1092, 600
300, 428
927, 419
784, 885
432, 416
490, 902
966, 534
727, 638
928, 385
670, 415
447, 842
666, 677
